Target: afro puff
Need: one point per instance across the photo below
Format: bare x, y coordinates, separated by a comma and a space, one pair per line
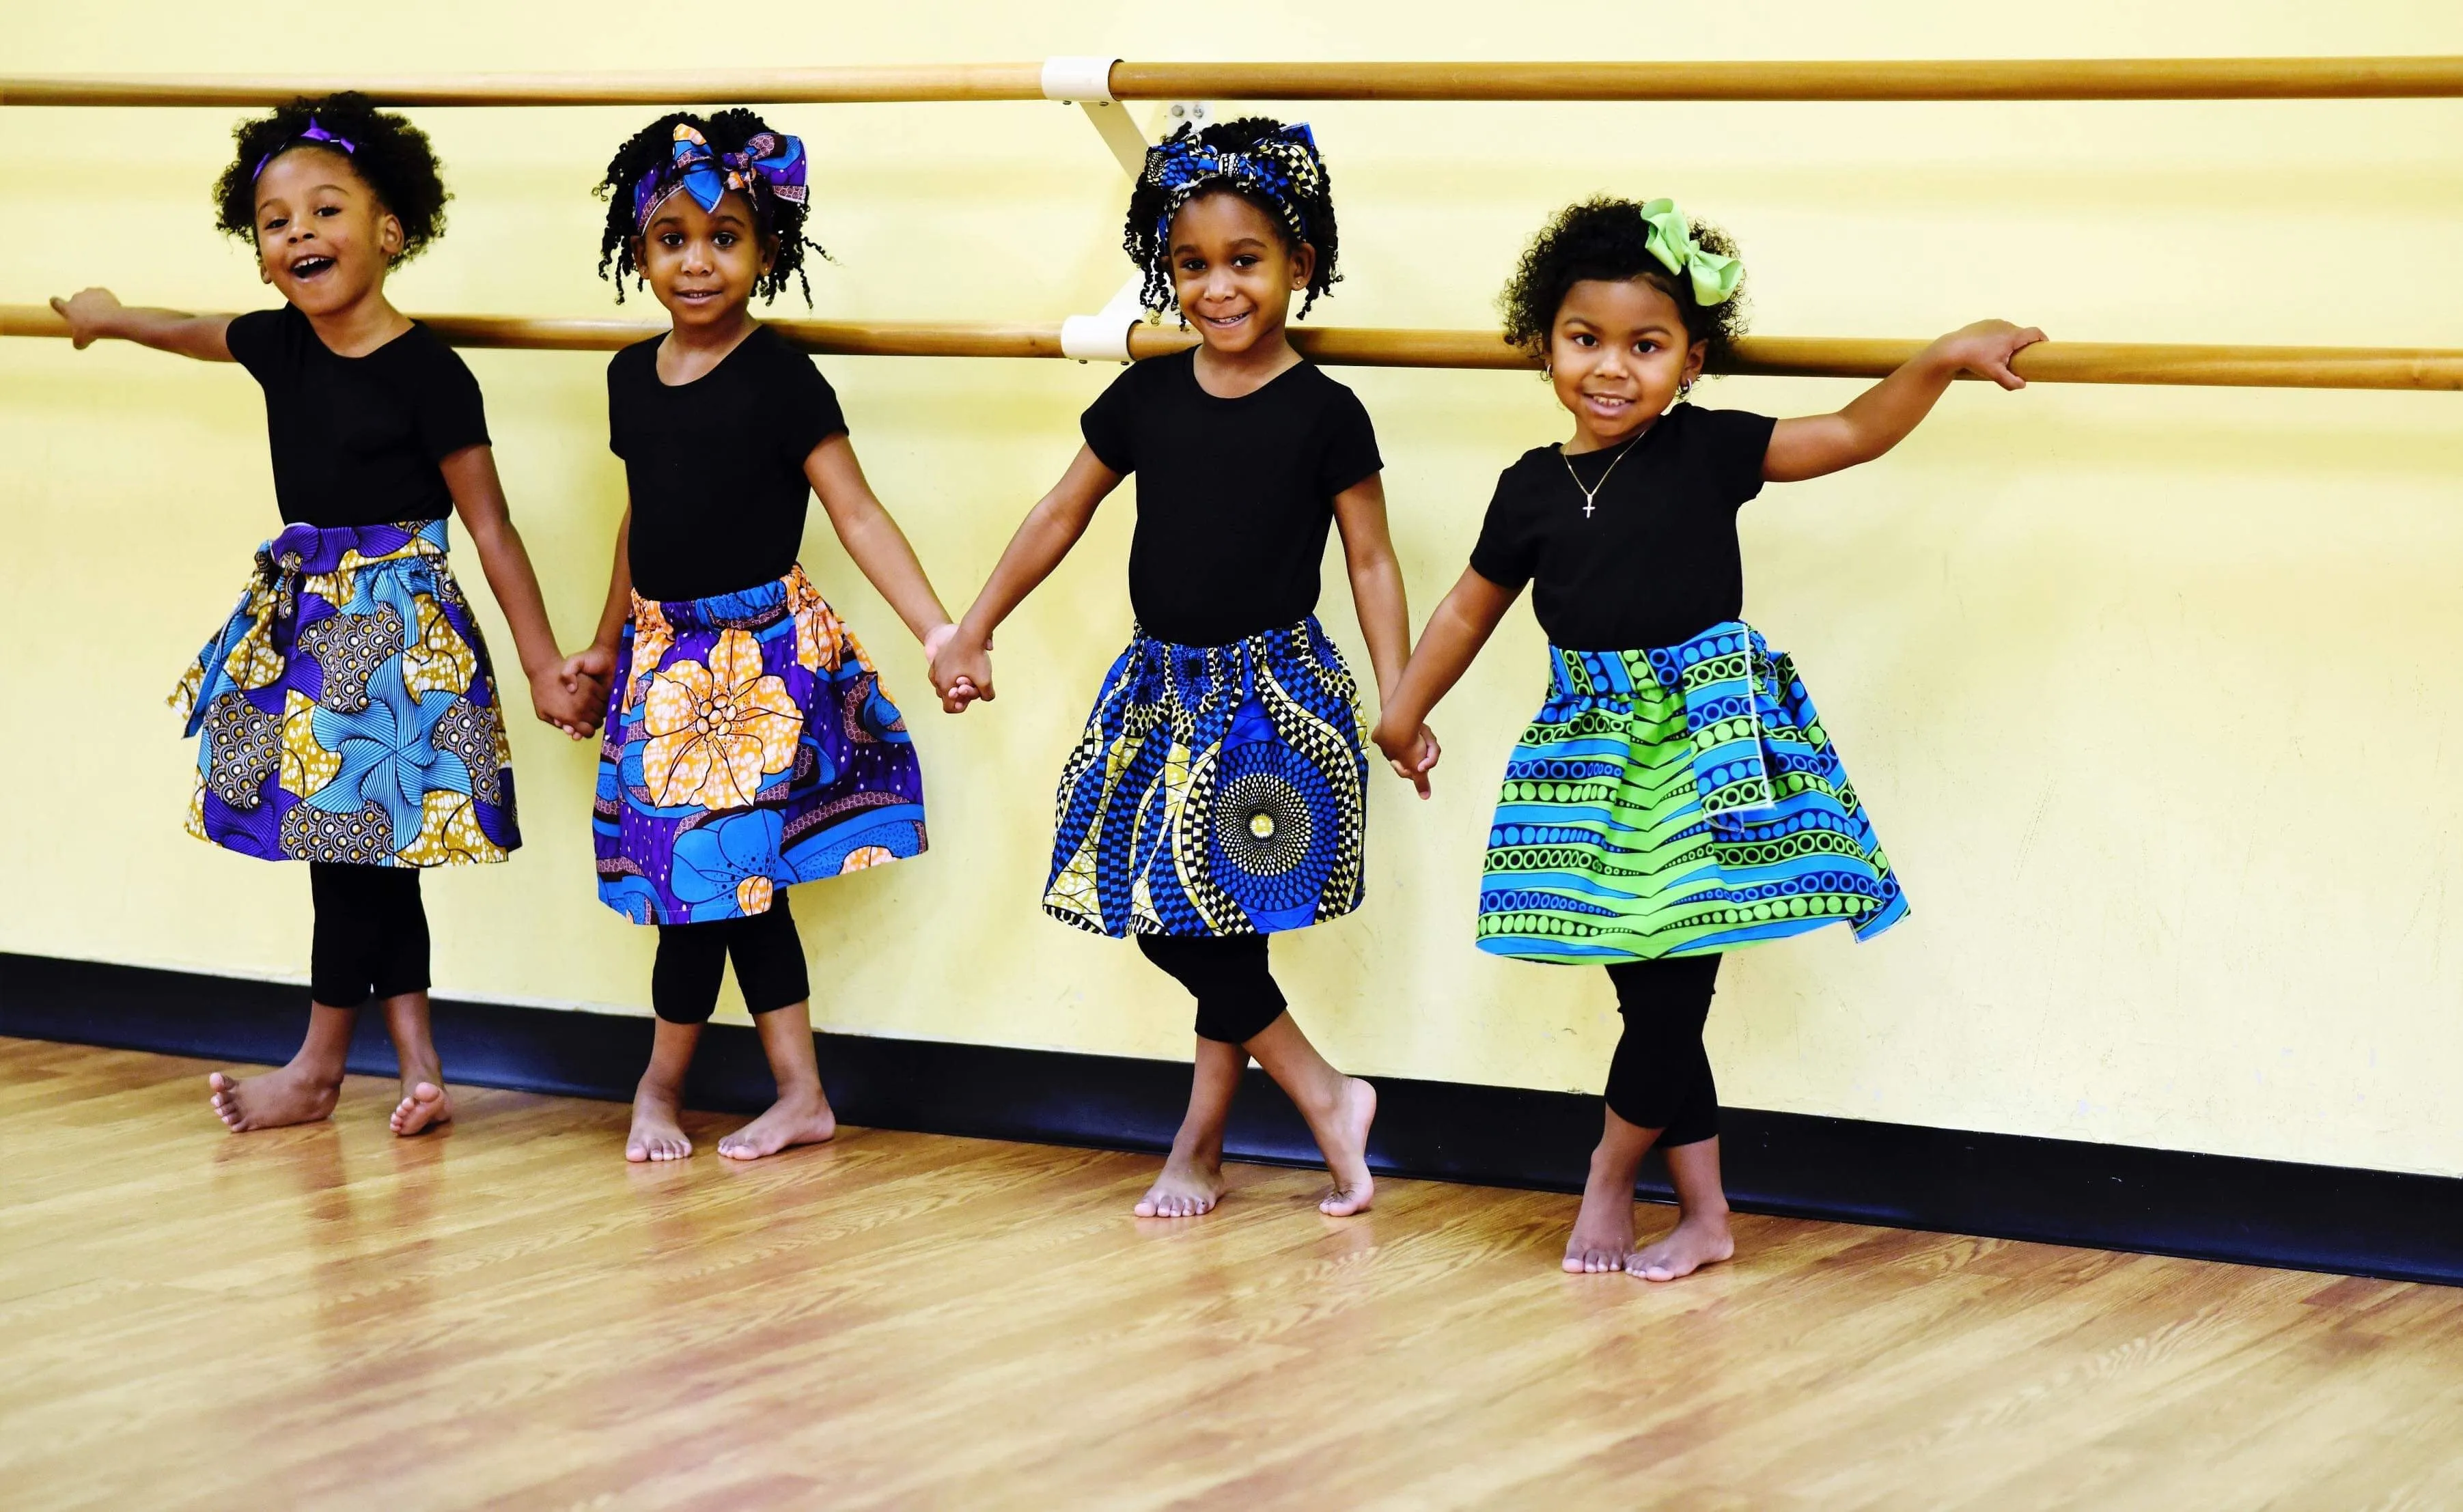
652, 149
389, 153
1290, 186
1608, 239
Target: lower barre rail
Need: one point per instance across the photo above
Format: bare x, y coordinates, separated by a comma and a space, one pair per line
1356, 346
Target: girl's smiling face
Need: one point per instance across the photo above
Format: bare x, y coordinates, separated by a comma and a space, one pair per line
702, 264
1618, 353
1233, 271
323, 238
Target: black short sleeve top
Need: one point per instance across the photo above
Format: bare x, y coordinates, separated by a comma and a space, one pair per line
357, 440
715, 466
1235, 495
1653, 560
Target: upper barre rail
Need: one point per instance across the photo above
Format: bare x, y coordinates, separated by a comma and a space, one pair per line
1784, 357
2432, 76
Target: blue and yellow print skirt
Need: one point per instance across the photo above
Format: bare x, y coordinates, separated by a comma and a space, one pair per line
346, 711
1217, 790
1677, 802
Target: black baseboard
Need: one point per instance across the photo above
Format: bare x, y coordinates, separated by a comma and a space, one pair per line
2005, 1186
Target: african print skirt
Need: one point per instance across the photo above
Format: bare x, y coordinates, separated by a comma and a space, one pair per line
1677, 802
748, 747
347, 709
1217, 790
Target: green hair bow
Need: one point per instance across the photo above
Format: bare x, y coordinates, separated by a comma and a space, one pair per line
1672, 241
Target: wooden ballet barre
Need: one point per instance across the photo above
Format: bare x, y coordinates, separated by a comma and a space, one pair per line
1779, 357
1910, 80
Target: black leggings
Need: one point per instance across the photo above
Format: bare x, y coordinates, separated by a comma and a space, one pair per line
371, 936
1661, 1076
1236, 996
769, 965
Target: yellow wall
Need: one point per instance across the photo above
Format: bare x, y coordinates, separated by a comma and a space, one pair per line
2151, 692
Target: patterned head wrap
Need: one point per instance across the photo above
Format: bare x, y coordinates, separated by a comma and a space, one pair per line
315, 134
1281, 168
1284, 168
771, 162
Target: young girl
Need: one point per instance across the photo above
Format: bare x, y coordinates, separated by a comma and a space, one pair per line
1676, 796
348, 713
749, 744
1216, 796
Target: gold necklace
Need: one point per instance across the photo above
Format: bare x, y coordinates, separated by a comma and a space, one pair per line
1592, 493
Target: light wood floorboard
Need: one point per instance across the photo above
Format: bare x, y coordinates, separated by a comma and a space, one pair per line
507, 1315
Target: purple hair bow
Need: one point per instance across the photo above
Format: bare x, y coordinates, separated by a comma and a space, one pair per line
774, 163
316, 133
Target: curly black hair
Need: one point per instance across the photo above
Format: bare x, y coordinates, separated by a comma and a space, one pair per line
391, 156
1147, 236
1606, 238
653, 147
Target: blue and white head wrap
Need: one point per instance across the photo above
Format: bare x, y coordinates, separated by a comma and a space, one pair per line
1281, 168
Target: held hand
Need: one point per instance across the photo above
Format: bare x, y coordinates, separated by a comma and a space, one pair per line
1422, 761
567, 703
954, 698
1985, 349
589, 674
89, 313
961, 675
1412, 756
590, 669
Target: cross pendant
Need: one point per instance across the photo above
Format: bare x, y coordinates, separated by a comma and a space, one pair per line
1586, 508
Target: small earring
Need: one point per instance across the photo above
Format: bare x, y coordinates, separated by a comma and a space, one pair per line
1684, 390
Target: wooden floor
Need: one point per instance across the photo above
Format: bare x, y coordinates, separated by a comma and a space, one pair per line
507, 1315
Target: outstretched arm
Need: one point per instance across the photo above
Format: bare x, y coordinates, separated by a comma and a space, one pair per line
559, 697
1881, 417
1048, 531
97, 313
1451, 637
1376, 593
877, 544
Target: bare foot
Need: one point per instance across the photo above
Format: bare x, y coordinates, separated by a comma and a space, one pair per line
275, 1099
656, 1134
1602, 1236
804, 1118
423, 1105
1186, 1189
1692, 1244
1345, 1145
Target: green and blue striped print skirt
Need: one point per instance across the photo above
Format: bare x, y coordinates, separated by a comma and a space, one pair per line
1677, 802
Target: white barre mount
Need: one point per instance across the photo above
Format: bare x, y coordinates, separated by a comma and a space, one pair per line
1086, 82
